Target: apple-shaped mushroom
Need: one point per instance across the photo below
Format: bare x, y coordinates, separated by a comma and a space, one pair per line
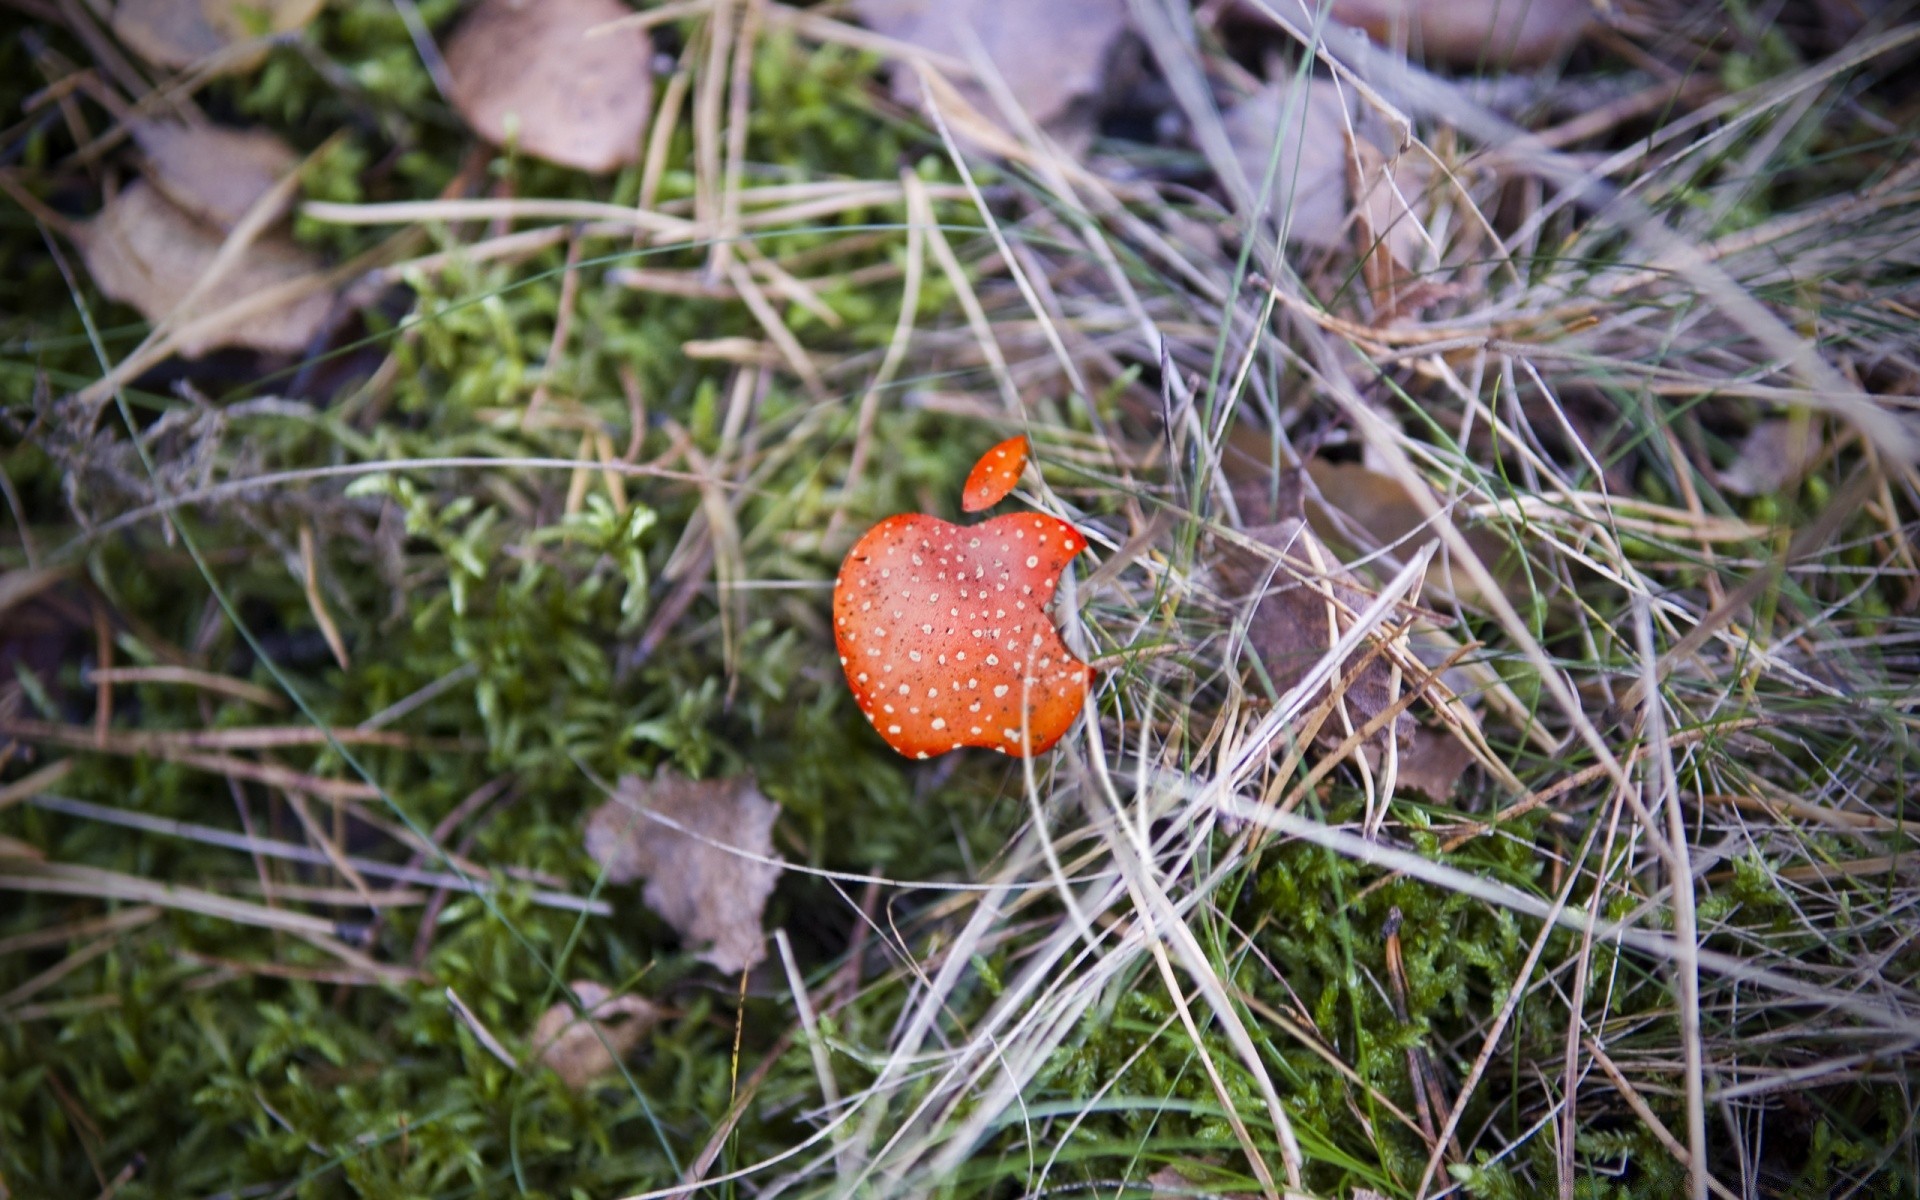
945, 638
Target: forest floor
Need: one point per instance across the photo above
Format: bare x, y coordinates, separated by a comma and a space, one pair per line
430, 436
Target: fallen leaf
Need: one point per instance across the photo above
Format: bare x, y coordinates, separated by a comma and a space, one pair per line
1368, 510
698, 875
215, 174
1774, 455
580, 1048
1482, 34
1293, 624
183, 33
1431, 763
1292, 627
1309, 191
538, 76
1051, 56
144, 251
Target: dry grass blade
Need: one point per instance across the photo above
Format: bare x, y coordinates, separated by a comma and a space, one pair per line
1640, 1109
471, 881
34, 783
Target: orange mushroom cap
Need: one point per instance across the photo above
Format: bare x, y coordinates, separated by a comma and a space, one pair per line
994, 475
945, 638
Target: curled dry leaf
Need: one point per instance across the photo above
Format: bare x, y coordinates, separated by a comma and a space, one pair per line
1309, 192
1049, 55
144, 251
216, 174
538, 76
182, 33
1330, 153
580, 1048
702, 846
1389, 218
1483, 34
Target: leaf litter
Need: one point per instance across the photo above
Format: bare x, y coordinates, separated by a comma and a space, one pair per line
1305, 603
583, 1045
186, 33
214, 173
552, 80
1309, 191
1052, 57
1348, 511
1483, 34
145, 251
705, 848
1341, 178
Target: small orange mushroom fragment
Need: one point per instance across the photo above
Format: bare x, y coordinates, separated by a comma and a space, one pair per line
994, 475
945, 638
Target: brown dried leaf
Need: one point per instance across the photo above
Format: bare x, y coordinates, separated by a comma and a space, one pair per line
214, 173
1049, 55
1369, 510
709, 893
1294, 623
569, 1043
1776, 454
1431, 763
536, 75
1291, 626
181, 33
1484, 34
144, 251
1310, 181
